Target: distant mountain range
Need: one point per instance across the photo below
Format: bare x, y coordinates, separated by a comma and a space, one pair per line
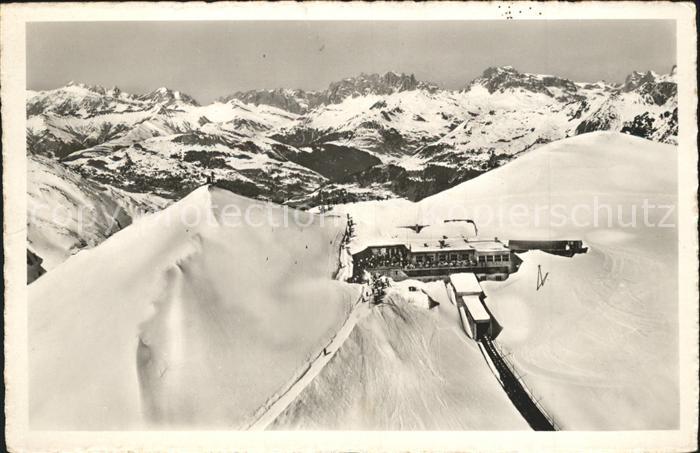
370, 136
300, 101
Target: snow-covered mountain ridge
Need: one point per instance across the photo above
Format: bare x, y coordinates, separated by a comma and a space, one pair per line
369, 136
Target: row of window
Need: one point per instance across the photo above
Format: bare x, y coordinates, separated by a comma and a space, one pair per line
463, 257
387, 251
492, 258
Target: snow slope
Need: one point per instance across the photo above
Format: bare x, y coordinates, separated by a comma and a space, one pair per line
280, 404
176, 322
66, 212
599, 341
405, 368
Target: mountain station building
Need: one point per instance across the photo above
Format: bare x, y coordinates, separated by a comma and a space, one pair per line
432, 259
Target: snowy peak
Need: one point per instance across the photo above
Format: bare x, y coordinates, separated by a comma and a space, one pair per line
94, 88
166, 96
655, 88
81, 100
502, 78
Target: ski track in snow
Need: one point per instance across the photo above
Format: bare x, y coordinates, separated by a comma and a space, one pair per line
279, 405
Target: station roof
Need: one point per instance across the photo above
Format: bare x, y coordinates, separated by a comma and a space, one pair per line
433, 245
439, 237
450, 245
476, 308
488, 246
465, 283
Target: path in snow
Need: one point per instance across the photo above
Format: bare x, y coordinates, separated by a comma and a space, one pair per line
272, 411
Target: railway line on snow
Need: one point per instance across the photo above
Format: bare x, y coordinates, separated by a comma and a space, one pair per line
516, 390
466, 294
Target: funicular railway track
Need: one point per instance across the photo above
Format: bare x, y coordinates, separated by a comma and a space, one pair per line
515, 390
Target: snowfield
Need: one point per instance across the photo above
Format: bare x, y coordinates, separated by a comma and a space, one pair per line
599, 342
170, 324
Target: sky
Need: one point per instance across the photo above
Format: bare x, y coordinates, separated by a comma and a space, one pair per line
211, 59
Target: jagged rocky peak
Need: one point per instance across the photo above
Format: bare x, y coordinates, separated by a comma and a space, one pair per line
378, 84
637, 79
495, 71
300, 101
295, 101
501, 78
115, 91
655, 87
166, 96
402, 82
